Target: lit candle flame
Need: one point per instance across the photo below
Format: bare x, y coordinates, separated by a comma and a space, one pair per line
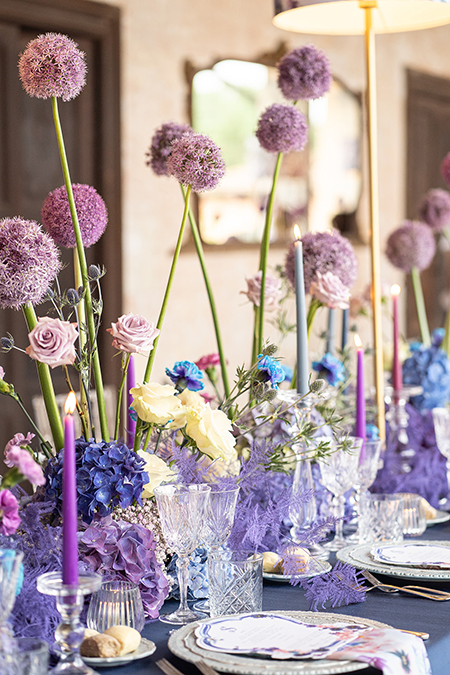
395, 289
70, 404
297, 233
357, 340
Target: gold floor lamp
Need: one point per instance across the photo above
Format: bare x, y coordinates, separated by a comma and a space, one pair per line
365, 17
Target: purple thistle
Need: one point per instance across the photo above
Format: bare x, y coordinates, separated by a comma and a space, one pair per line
304, 74
161, 146
445, 169
52, 65
91, 211
411, 245
29, 262
434, 209
196, 161
324, 252
341, 586
282, 128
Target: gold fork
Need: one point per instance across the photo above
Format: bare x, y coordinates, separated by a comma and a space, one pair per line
421, 591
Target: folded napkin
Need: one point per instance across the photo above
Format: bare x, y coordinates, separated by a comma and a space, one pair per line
389, 650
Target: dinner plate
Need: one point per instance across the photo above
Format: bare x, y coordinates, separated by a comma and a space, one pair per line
359, 556
146, 648
315, 568
183, 643
440, 517
413, 554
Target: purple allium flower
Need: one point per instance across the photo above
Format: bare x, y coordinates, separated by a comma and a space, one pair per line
91, 211
304, 74
282, 128
411, 245
331, 368
434, 209
9, 509
161, 146
197, 161
324, 252
274, 373
52, 65
445, 169
29, 262
186, 374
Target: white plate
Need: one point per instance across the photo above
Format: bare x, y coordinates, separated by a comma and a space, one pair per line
440, 517
359, 556
183, 643
315, 568
146, 648
413, 554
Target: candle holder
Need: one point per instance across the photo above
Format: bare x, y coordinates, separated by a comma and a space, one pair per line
70, 632
396, 416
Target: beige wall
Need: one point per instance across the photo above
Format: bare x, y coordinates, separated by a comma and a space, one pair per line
157, 36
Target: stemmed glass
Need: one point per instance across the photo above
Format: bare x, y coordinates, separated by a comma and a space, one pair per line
339, 473
182, 509
368, 463
219, 519
441, 419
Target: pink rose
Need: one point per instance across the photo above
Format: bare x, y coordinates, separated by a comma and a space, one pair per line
272, 295
24, 462
9, 513
133, 333
209, 361
52, 342
330, 290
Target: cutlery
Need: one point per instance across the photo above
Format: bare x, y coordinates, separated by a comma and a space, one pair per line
421, 591
170, 669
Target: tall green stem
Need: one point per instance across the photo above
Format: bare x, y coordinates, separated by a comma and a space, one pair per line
84, 275
446, 340
84, 374
265, 242
119, 394
212, 304
420, 306
46, 383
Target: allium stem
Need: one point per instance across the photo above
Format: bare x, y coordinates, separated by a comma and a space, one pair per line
420, 306
446, 341
46, 383
265, 242
81, 315
120, 392
84, 275
79, 408
212, 304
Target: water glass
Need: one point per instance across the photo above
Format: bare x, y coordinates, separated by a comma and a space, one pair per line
31, 656
235, 583
414, 517
381, 518
116, 603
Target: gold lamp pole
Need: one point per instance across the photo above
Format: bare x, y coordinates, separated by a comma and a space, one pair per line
344, 17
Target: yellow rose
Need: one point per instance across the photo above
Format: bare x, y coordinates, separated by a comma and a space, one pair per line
211, 430
156, 403
158, 472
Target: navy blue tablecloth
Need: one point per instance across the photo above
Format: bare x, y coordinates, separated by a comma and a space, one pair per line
399, 610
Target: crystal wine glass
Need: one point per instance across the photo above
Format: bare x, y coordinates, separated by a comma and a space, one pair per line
441, 419
368, 463
182, 509
339, 473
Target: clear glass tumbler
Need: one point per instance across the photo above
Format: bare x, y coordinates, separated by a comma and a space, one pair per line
235, 583
116, 603
381, 518
31, 656
414, 516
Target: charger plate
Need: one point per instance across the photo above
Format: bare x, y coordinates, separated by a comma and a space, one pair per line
183, 643
359, 556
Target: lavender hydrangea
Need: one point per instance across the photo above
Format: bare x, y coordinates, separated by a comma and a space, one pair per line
186, 375
324, 252
197, 161
124, 551
52, 65
434, 209
411, 245
29, 262
445, 169
108, 475
304, 73
161, 146
91, 211
282, 128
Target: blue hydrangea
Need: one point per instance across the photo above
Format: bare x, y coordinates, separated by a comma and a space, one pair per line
186, 374
331, 368
108, 475
198, 575
271, 368
428, 367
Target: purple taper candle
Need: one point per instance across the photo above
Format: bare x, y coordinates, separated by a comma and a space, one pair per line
302, 329
69, 497
360, 427
131, 382
397, 384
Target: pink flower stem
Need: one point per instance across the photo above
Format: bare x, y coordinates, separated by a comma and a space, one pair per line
265, 243
119, 394
84, 275
420, 306
46, 383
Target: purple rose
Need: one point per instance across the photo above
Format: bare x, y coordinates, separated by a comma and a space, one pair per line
330, 290
22, 459
133, 333
52, 342
272, 294
9, 513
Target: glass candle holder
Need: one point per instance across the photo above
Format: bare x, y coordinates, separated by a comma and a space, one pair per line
116, 603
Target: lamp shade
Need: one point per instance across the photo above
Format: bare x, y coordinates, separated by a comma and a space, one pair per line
344, 17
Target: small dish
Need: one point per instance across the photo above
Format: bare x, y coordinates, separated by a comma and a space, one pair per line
146, 648
315, 568
440, 517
